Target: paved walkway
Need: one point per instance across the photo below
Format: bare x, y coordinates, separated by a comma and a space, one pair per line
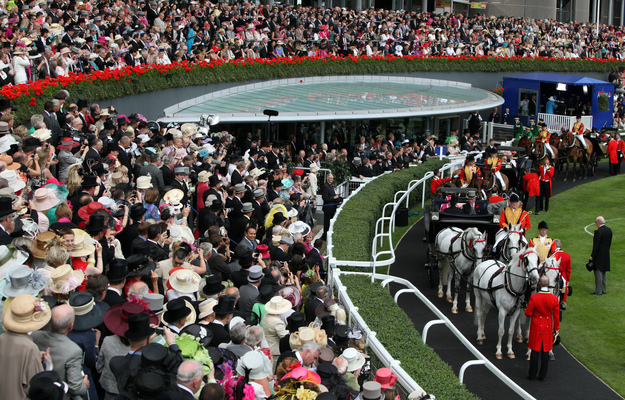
567, 378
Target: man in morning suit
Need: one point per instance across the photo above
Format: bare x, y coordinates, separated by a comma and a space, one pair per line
601, 243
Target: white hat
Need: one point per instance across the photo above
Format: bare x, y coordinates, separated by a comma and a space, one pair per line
299, 227
144, 182
258, 364
42, 134
185, 281
355, 359
206, 307
5, 143
15, 182
173, 196
9, 258
314, 168
277, 305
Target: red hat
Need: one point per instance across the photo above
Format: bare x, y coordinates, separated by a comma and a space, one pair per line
385, 377
297, 172
264, 250
86, 211
116, 317
67, 144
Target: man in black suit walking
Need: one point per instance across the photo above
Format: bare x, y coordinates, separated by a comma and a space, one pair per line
601, 254
329, 197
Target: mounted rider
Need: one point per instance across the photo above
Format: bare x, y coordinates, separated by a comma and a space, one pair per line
437, 181
469, 171
494, 162
512, 215
533, 129
544, 135
543, 244
578, 131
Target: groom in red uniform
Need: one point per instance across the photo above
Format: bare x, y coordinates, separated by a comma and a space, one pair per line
544, 309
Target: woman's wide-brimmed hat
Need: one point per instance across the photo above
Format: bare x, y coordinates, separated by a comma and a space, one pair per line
355, 359
42, 244
299, 227
139, 264
144, 182
185, 281
116, 317
83, 244
26, 314
44, 199
277, 305
173, 196
42, 134
67, 144
65, 279
308, 334
20, 280
10, 257
14, 181
257, 363
89, 313
206, 308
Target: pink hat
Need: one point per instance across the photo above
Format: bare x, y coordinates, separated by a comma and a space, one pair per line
385, 377
303, 374
101, 39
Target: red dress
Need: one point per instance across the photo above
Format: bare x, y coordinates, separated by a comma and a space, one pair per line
201, 188
79, 264
544, 308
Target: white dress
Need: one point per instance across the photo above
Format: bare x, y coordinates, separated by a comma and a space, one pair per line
19, 66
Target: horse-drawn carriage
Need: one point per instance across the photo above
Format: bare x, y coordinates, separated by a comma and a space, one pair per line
435, 221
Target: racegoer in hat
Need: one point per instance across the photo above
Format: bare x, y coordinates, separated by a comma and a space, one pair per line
512, 215
469, 171
494, 162
578, 131
543, 244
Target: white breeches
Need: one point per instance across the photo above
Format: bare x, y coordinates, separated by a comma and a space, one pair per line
581, 140
498, 175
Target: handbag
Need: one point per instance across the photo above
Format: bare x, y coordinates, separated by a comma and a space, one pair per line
590, 266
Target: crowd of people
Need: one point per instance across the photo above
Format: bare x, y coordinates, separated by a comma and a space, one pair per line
139, 259
54, 38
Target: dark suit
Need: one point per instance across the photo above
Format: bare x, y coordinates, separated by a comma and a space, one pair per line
314, 258
168, 175
175, 184
477, 209
5, 238
236, 178
601, 256
453, 210
130, 233
182, 394
310, 308
220, 334
327, 194
91, 158
112, 298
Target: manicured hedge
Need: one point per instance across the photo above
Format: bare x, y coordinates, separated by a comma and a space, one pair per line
397, 333
110, 84
354, 227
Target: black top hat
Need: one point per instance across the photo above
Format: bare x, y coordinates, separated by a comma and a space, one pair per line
117, 270
153, 355
276, 184
176, 310
340, 336
136, 211
246, 260
98, 169
149, 385
492, 150
82, 103
145, 249
265, 293
314, 287
95, 224
295, 321
6, 103
514, 197
543, 225
31, 143
139, 264
6, 206
89, 181
216, 205
328, 324
225, 305
47, 385
139, 327
109, 124
278, 218
89, 313
470, 157
213, 180
578, 116
213, 285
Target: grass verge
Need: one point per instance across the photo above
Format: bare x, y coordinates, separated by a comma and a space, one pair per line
592, 327
396, 332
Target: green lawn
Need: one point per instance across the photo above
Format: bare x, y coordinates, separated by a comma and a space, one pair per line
593, 327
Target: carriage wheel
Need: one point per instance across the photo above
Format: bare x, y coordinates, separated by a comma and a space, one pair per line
431, 265
593, 164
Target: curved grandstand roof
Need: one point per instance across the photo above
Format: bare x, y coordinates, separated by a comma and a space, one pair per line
335, 97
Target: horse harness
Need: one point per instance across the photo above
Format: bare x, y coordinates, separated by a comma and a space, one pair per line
463, 249
506, 285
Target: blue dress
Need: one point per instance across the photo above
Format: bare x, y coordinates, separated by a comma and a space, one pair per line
190, 40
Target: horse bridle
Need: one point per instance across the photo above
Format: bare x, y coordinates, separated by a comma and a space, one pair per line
506, 247
542, 271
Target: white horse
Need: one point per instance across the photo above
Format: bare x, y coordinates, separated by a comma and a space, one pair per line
512, 241
458, 253
551, 269
500, 285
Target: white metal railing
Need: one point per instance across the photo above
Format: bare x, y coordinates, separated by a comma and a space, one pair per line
387, 221
557, 121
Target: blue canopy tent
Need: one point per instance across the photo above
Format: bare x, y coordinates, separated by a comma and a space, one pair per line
570, 91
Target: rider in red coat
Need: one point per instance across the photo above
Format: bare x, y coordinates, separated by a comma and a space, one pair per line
437, 181
544, 309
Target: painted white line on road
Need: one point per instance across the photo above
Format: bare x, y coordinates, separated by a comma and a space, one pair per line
607, 220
